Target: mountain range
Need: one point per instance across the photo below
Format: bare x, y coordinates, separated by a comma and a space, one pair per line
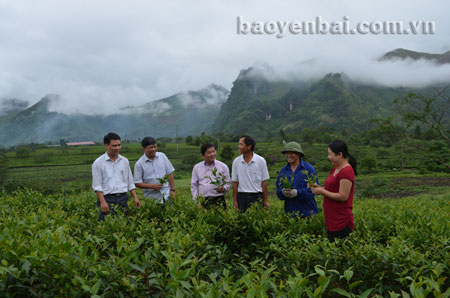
257, 104
183, 114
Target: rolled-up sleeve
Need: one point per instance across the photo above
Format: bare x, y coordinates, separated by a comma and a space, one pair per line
97, 177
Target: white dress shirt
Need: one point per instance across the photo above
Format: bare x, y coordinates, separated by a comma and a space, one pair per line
250, 175
110, 177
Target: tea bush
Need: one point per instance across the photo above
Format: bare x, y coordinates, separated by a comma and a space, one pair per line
53, 246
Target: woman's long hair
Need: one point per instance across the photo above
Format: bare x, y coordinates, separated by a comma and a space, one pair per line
339, 146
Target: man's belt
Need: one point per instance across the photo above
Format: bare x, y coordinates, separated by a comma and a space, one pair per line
213, 198
116, 194
249, 193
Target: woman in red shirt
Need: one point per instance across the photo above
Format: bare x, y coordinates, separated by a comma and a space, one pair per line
338, 191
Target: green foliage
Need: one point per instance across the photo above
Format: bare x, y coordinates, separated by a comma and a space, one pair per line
257, 105
217, 179
189, 140
377, 187
42, 157
431, 111
271, 159
189, 161
202, 139
3, 166
308, 135
287, 181
163, 180
23, 151
311, 178
163, 140
54, 246
227, 153
368, 164
198, 141
69, 168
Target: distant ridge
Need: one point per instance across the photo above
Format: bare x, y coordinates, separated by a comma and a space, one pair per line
184, 113
403, 54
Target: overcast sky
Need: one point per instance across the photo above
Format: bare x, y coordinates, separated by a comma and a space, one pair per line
102, 55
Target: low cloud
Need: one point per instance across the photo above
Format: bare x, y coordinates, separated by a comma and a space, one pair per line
213, 95
393, 73
101, 56
12, 105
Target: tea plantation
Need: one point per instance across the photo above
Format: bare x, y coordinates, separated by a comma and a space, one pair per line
53, 246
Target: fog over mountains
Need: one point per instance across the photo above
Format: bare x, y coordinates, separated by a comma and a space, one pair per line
261, 100
183, 113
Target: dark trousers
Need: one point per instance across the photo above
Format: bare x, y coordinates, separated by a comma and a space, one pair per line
114, 201
214, 201
332, 235
246, 199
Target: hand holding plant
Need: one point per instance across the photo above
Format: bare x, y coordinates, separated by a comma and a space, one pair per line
311, 179
286, 182
217, 179
164, 179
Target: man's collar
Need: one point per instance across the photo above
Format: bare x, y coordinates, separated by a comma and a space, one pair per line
252, 160
119, 157
148, 159
211, 164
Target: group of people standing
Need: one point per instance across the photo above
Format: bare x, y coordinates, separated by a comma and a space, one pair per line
153, 172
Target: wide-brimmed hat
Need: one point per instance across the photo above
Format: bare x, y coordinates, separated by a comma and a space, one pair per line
293, 147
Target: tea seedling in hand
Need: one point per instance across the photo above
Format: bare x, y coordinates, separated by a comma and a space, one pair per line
287, 181
164, 179
217, 179
311, 178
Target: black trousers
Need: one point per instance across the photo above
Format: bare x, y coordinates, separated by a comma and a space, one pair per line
214, 201
246, 199
114, 201
332, 235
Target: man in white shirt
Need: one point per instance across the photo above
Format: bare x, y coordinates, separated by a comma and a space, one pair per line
112, 178
154, 165
249, 176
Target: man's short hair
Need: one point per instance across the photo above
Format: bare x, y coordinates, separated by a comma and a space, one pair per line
249, 141
110, 136
148, 141
205, 147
